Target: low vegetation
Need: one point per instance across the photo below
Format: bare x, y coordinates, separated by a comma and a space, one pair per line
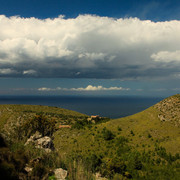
141, 146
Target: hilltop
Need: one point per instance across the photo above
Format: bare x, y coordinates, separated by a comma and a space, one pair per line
149, 124
170, 110
145, 145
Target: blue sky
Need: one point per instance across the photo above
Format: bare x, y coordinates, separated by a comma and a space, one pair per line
157, 10
93, 47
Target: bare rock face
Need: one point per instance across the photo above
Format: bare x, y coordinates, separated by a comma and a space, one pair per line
41, 142
60, 174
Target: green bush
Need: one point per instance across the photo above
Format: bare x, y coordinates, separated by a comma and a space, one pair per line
149, 135
107, 134
39, 123
39, 171
113, 166
119, 128
52, 178
132, 133
93, 161
121, 140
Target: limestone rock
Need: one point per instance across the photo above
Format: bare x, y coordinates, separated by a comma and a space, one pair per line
169, 110
36, 136
60, 174
28, 169
44, 142
41, 142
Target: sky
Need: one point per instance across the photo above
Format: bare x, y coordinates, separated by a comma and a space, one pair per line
92, 47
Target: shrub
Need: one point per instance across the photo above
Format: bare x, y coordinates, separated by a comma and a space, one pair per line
121, 140
149, 135
107, 134
39, 170
2, 142
7, 171
93, 161
115, 165
132, 133
80, 124
119, 128
39, 123
52, 177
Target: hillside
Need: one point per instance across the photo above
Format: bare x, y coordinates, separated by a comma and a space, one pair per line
148, 126
141, 146
169, 110
12, 116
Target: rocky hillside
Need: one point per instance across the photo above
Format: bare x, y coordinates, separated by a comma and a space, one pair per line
170, 110
13, 116
145, 145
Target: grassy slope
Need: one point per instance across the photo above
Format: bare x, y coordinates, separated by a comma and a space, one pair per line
12, 112
12, 115
146, 126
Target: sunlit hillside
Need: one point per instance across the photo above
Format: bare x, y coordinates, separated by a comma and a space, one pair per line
145, 145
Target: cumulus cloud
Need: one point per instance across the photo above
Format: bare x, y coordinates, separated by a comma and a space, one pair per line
89, 47
167, 56
6, 71
46, 89
99, 88
31, 72
88, 88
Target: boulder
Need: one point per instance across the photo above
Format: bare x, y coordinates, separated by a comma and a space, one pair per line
28, 169
36, 136
60, 174
45, 143
41, 142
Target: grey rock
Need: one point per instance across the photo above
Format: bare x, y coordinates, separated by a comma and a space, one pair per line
60, 174
44, 142
36, 136
28, 169
41, 142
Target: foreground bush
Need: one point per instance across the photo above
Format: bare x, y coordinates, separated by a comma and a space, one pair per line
39, 123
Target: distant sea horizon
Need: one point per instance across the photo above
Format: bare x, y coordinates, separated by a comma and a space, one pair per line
105, 106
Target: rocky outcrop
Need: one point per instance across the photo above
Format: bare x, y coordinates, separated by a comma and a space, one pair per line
60, 174
169, 110
41, 142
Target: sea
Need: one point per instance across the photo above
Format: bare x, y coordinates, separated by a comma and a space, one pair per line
112, 107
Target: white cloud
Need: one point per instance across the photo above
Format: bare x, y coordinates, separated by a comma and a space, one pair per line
93, 46
6, 71
88, 88
166, 56
98, 88
50, 89
29, 72
45, 89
